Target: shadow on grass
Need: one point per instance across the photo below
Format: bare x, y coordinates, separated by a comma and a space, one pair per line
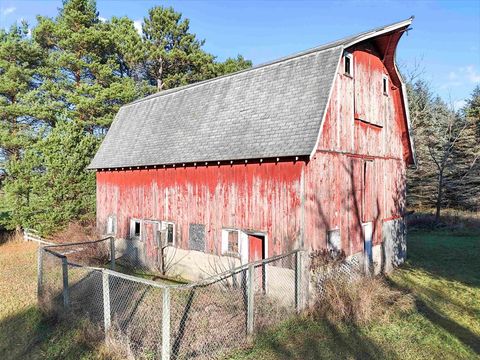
463, 334
30, 335
446, 254
321, 339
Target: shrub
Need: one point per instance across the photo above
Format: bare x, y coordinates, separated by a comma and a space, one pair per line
360, 300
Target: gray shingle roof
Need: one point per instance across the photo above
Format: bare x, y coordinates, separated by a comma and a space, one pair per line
272, 110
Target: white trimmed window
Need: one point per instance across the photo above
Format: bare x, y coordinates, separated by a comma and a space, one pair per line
135, 229
169, 229
111, 225
348, 64
385, 84
230, 242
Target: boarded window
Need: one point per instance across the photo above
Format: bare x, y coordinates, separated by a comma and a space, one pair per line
334, 241
197, 237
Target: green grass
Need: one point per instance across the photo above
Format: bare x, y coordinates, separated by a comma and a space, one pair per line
443, 274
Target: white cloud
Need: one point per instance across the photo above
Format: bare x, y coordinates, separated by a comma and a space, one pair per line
472, 74
461, 77
138, 26
102, 19
7, 11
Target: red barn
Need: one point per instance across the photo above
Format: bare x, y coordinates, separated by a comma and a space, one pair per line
308, 151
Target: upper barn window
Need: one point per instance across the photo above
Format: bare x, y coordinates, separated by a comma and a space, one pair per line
385, 84
348, 64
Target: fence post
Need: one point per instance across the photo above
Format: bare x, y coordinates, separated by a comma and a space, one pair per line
106, 301
166, 324
250, 299
112, 253
66, 300
298, 281
40, 254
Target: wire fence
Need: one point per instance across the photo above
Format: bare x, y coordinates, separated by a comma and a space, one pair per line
202, 320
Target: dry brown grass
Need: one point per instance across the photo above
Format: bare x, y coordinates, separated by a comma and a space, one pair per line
360, 301
77, 232
453, 219
10, 237
95, 254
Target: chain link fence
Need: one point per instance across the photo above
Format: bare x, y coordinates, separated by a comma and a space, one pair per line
202, 320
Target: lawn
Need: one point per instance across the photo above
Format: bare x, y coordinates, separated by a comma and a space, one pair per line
24, 334
442, 272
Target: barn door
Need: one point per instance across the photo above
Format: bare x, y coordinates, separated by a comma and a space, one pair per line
150, 238
369, 211
256, 251
368, 237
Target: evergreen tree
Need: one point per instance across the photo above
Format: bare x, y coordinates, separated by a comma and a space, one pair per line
174, 55
421, 180
20, 59
463, 189
232, 65
86, 82
49, 186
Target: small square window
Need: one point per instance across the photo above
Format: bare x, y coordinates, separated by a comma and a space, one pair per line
385, 85
348, 64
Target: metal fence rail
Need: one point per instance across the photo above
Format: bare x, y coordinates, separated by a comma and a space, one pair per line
201, 320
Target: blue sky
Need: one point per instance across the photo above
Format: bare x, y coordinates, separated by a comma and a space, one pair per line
445, 38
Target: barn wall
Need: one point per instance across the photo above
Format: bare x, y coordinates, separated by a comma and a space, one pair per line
363, 129
262, 197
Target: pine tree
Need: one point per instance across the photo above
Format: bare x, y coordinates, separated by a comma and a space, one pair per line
421, 180
87, 81
20, 60
231, 65
463, 188
49, 186
174, 55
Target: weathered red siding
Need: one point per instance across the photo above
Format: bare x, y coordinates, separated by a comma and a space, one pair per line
362, 126
258, 196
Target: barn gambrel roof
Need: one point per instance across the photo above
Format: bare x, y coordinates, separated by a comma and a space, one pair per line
271, 110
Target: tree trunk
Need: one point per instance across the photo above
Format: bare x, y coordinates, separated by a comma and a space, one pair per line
439, 197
